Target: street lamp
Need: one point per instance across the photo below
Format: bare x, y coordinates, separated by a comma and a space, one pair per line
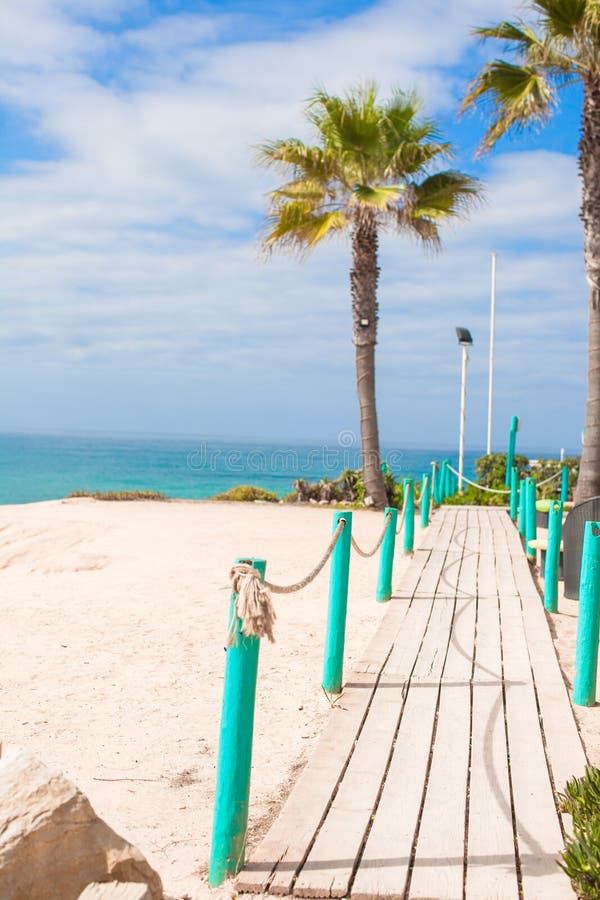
465, 341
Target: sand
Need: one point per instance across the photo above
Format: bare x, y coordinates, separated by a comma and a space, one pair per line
112, 665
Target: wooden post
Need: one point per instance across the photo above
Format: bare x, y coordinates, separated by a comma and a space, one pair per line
435, 484
522, 506
514, 492
444, 487
408, 489
335, 635
386, 559
234, 764
588, 621
530, 518
512, 440
552, 557
425, 500
564, 484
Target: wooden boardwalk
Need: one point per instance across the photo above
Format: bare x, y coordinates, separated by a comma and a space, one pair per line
435, 776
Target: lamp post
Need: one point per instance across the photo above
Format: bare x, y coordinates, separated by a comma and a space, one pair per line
491, 363
465, 341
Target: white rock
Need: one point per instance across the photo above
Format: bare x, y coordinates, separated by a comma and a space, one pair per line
52, 843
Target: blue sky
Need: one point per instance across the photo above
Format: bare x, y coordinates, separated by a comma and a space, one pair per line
132, 294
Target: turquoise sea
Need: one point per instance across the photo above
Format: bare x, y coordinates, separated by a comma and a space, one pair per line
48, 466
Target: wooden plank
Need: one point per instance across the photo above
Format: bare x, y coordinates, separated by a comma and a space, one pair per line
486, 570
537, 823
491, 867
330, 862
381, 643
449, 575
408, 584
384, 865
430, 577
284, 846
439, 861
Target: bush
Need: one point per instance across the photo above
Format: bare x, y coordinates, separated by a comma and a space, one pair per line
581, 856
247, 493
118, 495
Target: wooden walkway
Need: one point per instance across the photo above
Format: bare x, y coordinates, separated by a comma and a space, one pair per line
436, 773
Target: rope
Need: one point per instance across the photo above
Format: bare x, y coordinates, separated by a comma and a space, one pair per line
402, 518
252, 597
372, 552
481, 487
551, 478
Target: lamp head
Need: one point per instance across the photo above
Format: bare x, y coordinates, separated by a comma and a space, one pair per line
464, 337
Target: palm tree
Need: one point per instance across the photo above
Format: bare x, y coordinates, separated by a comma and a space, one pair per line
558, 47
372, 168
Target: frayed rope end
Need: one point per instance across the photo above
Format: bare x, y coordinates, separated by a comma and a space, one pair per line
252, 604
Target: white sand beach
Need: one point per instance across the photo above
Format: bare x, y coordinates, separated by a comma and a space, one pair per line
112, 665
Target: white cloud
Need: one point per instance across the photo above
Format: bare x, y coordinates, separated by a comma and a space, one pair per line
134, 250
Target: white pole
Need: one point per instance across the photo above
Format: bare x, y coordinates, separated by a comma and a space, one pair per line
463, 401
491, 365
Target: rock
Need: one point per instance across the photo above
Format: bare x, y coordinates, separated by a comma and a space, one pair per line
116, 890
52, 843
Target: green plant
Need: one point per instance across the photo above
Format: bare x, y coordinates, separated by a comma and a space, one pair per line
119, 495
247, 493
581, 856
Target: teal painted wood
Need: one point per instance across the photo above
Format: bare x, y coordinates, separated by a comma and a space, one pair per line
522, 505
230, 822
555, 514
514, 492
335, 635
512, 441
425, 500
588, 621
444, 487
386, 557
408, 492
564, 484
435, 483
530, 517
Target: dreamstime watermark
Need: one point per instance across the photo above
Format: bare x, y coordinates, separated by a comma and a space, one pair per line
323, 460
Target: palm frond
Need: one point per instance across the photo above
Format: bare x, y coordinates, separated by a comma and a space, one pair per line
411, 156
446, 194
311, 189
380, 197
306, 161
518, 95
298, 225
517, 35
561, 18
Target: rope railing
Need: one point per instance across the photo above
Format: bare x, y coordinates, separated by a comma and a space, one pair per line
252, 617
481, 487
551, 478
364, 553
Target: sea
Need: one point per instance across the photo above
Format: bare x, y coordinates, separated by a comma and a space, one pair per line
35, 466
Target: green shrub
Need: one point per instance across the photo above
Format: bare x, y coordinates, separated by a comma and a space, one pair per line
247, 493
581, 856
119, 495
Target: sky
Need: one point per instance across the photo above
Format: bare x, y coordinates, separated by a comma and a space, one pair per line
133, 296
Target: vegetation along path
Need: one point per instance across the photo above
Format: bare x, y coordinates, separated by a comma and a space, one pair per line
437, 773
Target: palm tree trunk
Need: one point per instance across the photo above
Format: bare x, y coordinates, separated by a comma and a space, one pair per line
588, 484
363, 287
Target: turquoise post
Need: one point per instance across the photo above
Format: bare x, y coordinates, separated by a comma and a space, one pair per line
588, 620
514, 492
552, 557
386, 560
425, 500
512, 440
564, 484
230, 822
522, 505
408, 489
444, 487
435, 484
530, 518
335, 635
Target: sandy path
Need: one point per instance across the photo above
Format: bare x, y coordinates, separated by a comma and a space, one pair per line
112, 666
